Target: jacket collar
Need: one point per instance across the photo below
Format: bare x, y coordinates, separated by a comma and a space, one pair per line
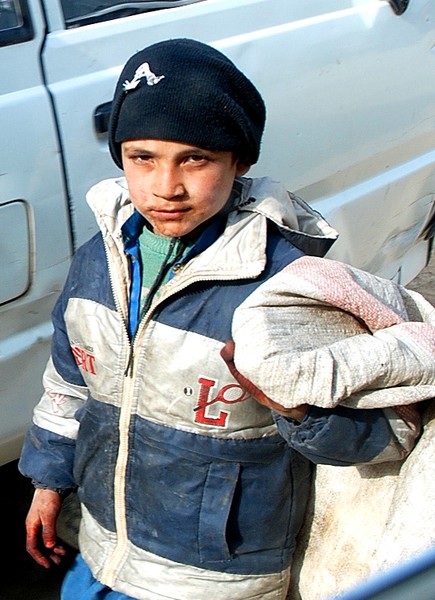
233, 245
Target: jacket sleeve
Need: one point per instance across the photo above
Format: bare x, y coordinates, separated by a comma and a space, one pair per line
347, 436
48, 452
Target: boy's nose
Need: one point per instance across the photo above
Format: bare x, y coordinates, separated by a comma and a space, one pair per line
168, 183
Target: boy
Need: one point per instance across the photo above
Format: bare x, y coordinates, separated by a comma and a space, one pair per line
187, 487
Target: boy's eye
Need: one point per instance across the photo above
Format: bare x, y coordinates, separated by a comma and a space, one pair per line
140, 159
197, 157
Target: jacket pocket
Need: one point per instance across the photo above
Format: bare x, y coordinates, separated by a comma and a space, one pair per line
217, 499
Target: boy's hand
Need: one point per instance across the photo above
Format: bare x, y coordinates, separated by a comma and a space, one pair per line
41, 541
297, 413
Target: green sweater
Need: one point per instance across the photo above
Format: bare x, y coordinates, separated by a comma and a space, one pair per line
158, 255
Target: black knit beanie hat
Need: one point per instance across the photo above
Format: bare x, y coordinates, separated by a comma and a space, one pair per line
185, 91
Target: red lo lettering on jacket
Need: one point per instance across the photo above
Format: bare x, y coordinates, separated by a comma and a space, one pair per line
229, 394
84, 359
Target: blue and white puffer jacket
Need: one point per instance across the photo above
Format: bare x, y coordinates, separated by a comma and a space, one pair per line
189, 488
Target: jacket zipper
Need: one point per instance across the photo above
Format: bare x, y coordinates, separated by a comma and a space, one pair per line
112, 565
114, 562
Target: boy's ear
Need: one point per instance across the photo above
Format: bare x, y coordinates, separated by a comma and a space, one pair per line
242, 168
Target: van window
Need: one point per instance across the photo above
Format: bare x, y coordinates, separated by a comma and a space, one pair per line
15, 23
84, 12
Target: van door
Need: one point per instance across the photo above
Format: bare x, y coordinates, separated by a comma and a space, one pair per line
349, 90
35, 244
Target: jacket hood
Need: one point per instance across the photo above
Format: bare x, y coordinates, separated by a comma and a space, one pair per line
299, 223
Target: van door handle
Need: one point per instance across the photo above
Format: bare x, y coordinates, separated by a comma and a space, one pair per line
399, 6
102, 116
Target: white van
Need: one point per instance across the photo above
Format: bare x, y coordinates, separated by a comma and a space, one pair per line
349, 86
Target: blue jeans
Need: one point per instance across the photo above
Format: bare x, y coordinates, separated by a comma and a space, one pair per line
80, 584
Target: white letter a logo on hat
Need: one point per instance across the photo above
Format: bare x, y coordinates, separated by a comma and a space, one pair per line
141, 72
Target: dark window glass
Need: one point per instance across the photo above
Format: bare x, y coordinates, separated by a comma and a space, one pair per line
85, 12
15, 23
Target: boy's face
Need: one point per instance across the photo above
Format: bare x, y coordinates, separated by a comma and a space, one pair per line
175, 186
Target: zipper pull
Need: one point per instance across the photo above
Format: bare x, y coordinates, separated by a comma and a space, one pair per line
177, 268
